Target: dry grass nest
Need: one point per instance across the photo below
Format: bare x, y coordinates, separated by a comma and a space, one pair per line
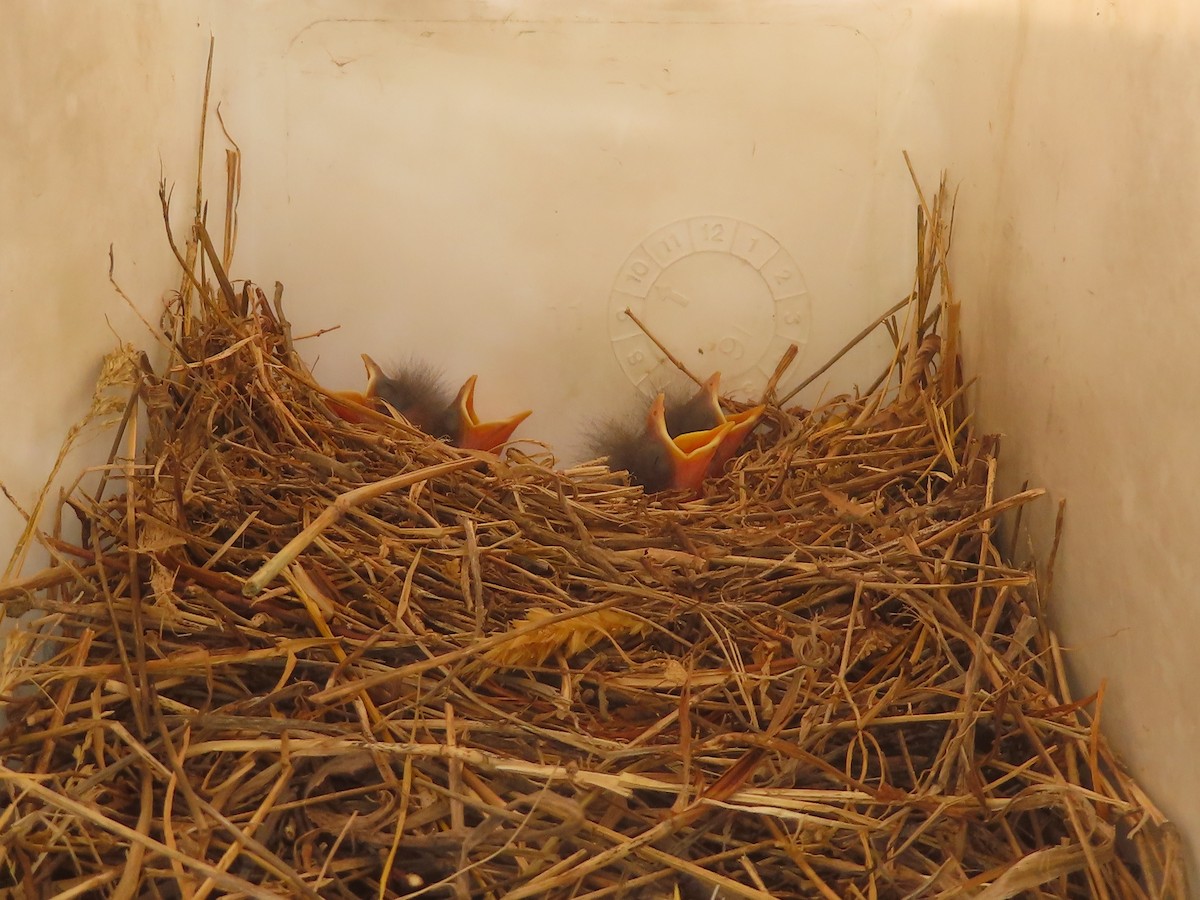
293, 656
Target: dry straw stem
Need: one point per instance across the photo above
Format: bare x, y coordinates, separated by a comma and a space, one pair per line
343, 504
294, 656
675, 361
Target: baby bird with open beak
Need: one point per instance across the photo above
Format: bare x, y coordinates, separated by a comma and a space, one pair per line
417, 393
655, 459
703, 411
681, 443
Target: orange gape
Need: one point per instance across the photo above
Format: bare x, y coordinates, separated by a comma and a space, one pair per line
653, 458
680, 444
704, 411
348, 410
473, 434
417, 394
689, 455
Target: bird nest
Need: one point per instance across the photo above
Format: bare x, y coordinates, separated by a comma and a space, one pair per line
290, 655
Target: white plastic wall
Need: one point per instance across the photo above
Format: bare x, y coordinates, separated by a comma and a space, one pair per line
1080, 218
485, 185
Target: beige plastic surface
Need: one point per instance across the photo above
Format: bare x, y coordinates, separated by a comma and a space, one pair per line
474, 183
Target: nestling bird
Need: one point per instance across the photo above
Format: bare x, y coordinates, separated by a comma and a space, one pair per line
417, 393
703, 411
656, 460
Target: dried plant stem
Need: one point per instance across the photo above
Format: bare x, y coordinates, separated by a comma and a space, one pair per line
675, 361
334, 512
853, 342
135, 838
785, 362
